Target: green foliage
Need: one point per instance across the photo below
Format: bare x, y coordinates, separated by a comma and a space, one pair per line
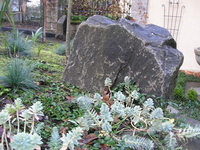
4, 7
25, 141
71, 139
189, 132
22, 127
170, 141
55, 142
146, 123
182, 102
78, 18
3, 90
40, 48
135, 142
16, 45
192, 95
112, 17
61, 50
57, 108
18, 75
179, 91
36, 35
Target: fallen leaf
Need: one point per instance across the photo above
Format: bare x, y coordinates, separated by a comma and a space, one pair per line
106, 96
64, 130
88, 138
105, 147
69, 98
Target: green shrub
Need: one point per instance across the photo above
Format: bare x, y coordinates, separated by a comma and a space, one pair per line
18, 75
179, 93
3, 90
16, 44
192, 95
35, 36
61, 50
78, 18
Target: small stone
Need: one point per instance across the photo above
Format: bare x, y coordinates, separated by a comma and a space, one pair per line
172, 110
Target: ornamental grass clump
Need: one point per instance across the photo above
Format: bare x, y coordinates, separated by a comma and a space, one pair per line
16, 45
35, 36
61, 50
18, 75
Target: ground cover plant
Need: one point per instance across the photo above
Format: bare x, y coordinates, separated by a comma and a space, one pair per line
63, 116
16, 44
186, 102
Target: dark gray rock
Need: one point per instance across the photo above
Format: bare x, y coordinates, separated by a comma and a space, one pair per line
60, 25
115, 49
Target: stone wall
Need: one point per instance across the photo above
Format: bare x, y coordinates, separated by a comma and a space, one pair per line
52, 16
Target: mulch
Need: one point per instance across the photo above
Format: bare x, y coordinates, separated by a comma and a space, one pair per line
196, 74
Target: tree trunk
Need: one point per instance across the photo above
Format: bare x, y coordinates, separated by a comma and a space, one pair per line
44, 19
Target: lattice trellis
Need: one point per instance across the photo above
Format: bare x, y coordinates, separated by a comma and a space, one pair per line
173, 16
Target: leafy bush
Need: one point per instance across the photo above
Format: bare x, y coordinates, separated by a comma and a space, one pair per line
36, 35
16, 45
192, 95
61, 50
3, 90
18, 75
55, 104
179, 93
78, 18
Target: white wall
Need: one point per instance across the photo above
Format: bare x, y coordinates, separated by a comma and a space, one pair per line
189, 33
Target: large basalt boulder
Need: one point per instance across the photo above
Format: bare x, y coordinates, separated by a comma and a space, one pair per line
115, 49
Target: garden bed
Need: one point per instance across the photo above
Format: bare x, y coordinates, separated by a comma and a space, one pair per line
61, 107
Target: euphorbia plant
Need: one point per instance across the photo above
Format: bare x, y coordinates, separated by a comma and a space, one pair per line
130, 123
15, 120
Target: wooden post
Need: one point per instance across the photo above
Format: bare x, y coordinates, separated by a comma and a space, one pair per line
68, 29
44, 18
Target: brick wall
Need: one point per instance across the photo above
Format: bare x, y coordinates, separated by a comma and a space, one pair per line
52, 16
139, 11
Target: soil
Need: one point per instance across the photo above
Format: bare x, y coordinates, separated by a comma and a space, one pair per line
24, 25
